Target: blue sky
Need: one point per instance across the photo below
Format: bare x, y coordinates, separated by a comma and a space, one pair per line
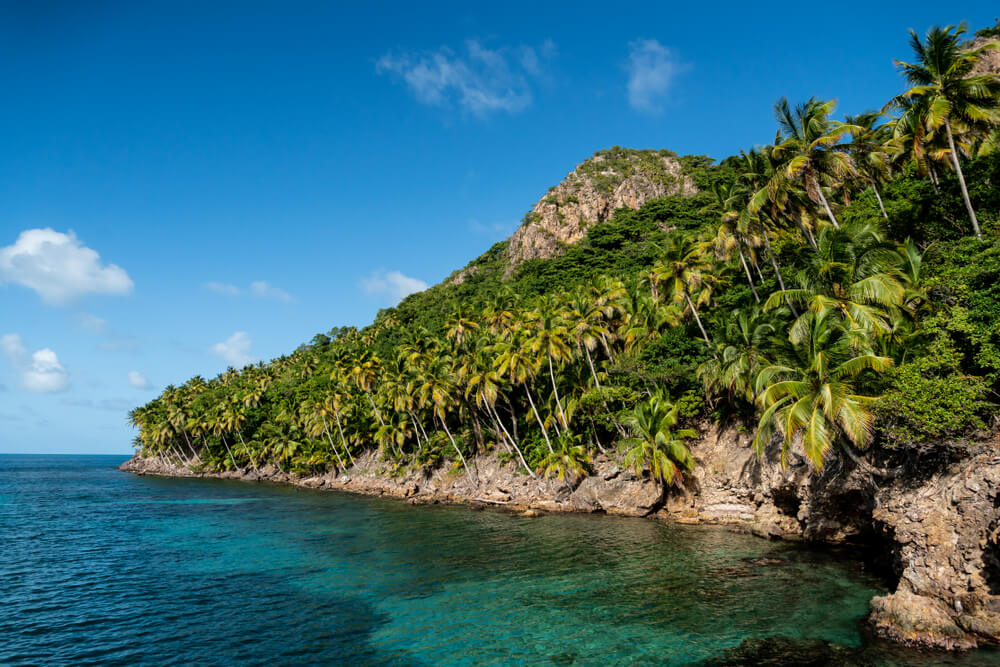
183, 187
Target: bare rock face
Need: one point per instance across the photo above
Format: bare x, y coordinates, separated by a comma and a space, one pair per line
990, 61
947, 533
617, 492
607, 181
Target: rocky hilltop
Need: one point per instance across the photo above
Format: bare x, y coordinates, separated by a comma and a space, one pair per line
609, 180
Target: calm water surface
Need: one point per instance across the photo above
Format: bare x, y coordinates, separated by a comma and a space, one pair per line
99, 566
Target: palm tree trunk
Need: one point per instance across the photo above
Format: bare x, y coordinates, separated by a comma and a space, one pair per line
496, 416
760, 274
961, 181
878, 198
591, 364
335, 453
806, 233
777, 271
747, 269
247, 450
231, 459
188, 440
343, 440
535, 410
826, 204
378, 414
552, 376
416, 431
459, 451
697, 319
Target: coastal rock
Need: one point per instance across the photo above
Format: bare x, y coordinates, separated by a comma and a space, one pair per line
917, 620
624, 495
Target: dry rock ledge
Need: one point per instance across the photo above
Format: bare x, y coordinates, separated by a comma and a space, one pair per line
938, 534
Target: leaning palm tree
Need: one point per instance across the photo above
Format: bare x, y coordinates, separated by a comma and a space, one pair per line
654, 443
812, 394
809, 148
948, 94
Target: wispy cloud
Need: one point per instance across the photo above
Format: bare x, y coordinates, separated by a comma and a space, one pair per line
652, 69
479, 80
93, 323
260, 289
235, 349
59, 267
40, 371
223, 288
263, 290
137, 380
392, 285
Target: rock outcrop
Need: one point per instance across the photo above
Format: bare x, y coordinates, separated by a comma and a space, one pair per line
940, 534
946, 530
609, 180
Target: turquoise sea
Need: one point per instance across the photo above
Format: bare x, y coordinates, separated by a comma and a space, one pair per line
103, 567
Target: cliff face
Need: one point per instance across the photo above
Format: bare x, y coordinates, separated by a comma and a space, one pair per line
990, 61
609, 180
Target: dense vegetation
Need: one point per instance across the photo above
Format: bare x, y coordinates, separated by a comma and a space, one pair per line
837, 288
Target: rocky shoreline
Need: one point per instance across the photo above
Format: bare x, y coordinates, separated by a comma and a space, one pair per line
939, 535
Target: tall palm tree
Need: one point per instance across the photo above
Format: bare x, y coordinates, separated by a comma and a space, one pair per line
809, 147
684, 269
870, 149
515, 363
438, 389
549, 341
948, 94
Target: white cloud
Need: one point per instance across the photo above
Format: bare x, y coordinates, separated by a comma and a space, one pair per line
392, 284
223, 288
138, 380
40, 372
264, 290
480, 81
59, 267
652, 68
235, 349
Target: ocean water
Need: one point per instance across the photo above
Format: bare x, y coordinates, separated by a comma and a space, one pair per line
103, 567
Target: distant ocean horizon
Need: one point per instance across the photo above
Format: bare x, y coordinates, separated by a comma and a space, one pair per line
103, 567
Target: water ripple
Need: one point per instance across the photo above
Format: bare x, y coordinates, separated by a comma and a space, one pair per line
101, 567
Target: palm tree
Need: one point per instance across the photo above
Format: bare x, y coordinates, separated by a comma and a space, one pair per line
683, 270
569, 460
853, 273
654, 444
809, 147
548, 341
947, 94
483, 381
514, 363
438, 389
739, 357
812, 392
869, 147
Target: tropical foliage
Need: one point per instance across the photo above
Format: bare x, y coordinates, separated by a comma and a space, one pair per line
843, 262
